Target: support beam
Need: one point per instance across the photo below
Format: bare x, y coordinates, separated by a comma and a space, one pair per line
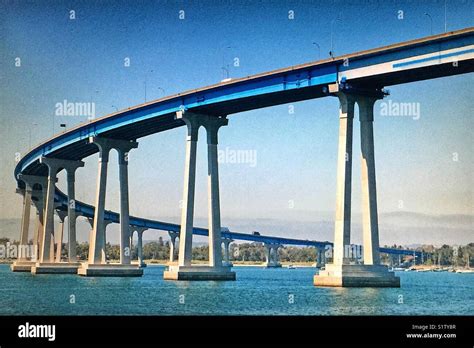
39, 203
173, 236
25, 223
340, 272
276, 256
125, 247
97, 240
71, 212
47, 258
139, 230
59, 242
215, 270
96, 252
342, 227
226, 242
48, 232
212, 126
370, 228
323, 257
268, 250
27, 256
187, 212
271, 255
97, 264
321, 261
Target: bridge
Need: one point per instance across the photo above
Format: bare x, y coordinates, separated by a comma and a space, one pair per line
358, 78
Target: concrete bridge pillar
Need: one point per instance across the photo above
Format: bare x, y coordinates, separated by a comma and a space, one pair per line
46, 250
45, 264
96, 265
370, 228
103, 239
71, 209
276, 256
25, 222
48, 231
268, 250
39, 197
342, 226
31, 195
226, 242
321, 257
139, 231
340, 272
215, 270
187, 212
212, 125
173, 236
271, 255
59, 242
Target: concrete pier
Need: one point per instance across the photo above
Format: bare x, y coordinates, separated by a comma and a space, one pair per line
356, 276
321, 257
173, 236
215, 270
271, 255
226, 243
96, 265
48, 263
24, 261
141, 263
340, 272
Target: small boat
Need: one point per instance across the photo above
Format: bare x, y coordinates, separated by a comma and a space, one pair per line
398, 269
291, 267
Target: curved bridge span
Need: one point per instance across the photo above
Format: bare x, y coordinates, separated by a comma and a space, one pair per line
358, 78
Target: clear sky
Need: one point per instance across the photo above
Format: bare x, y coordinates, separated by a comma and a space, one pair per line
423, 165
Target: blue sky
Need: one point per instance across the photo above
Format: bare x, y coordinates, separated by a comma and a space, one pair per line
82, 60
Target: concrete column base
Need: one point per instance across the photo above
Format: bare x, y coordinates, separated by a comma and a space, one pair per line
356, 276
109, 270
55, 268
273, 265
22, 266
141, 265
196, 272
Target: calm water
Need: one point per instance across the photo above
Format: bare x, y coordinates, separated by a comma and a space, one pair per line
257, 291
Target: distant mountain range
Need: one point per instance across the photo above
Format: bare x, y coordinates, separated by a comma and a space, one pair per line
406, 228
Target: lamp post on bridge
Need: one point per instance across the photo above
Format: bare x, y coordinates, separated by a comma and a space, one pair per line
331, 52
431, 22
319, 49
225, 66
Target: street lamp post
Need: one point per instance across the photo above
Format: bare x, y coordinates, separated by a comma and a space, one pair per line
225, 67
431, 22
319, 49
331, 53
162, 90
